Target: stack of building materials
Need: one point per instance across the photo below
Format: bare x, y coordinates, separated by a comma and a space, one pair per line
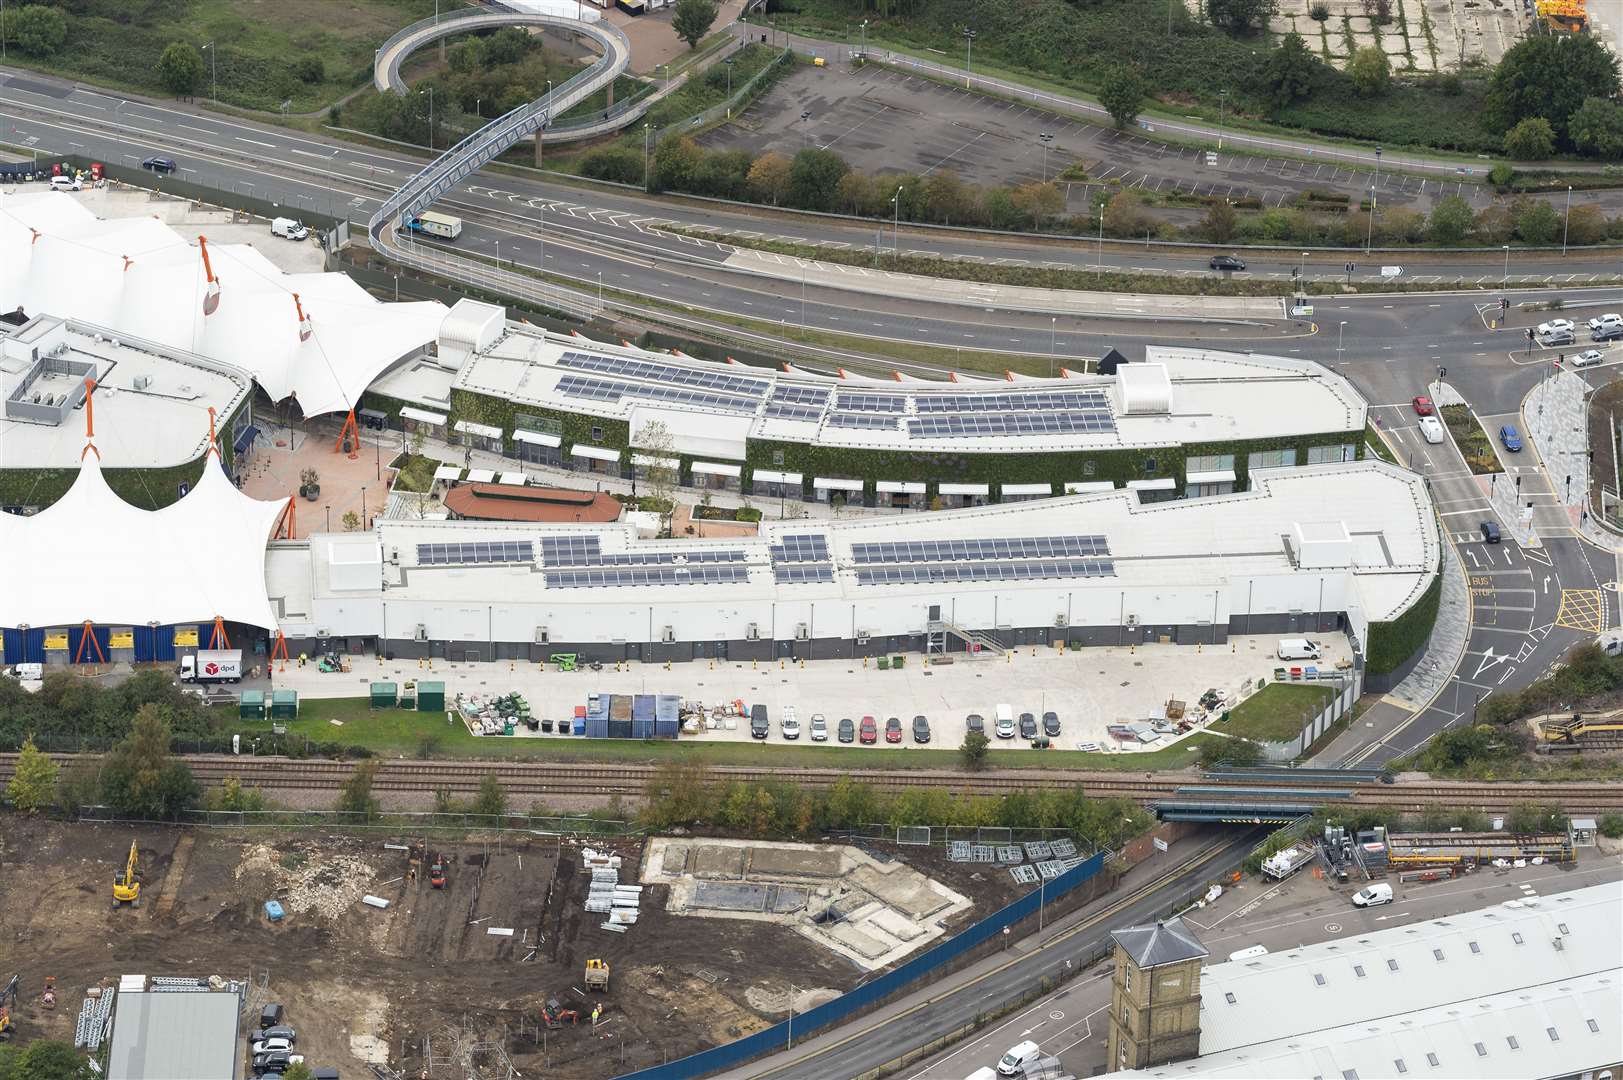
605, 894
91, 1023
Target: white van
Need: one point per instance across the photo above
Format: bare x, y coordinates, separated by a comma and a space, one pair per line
1431, 429
1005, 722
1373, 896
1297, 649
1247, 954
1015, 1061
289, 229
983, 1073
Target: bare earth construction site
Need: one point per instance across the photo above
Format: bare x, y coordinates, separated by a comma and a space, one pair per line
443, 979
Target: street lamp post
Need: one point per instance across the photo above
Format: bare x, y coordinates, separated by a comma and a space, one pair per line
363, 507
864, 52
1377, 166
600, 290
1047, 139
1101, 267
1505, 284
969, 46
214, 72
645, 179
498, 254
1340, 333
1053, 337
1222, 111
805, 143
896, 223
1566, 220
429, 90
1369, 234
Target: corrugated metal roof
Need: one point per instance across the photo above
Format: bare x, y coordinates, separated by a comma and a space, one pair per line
175, 1036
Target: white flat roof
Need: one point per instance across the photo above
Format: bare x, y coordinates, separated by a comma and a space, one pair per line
151, 403
1180, 396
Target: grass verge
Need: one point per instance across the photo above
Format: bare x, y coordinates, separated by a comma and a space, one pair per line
1277, 712
403, 733
1475, 446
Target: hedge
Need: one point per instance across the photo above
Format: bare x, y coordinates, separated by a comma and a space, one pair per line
1392, 643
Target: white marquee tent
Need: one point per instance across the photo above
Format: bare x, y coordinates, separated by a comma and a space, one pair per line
92, 556
141, 278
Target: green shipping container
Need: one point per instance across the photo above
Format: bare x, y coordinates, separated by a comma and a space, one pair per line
385, 695
284, 705
251, 705
430, 697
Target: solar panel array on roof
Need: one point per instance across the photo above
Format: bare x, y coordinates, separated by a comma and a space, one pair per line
803, 574
498, 551
708, 574
800, 395
911, 573
801, 559
808, 413
613, 390
1024, 547
656, 558
563, 550
863, 402
970, 425
870, 421
1039, 400
673, 374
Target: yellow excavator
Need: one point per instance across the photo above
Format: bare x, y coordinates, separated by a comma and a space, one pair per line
127, 882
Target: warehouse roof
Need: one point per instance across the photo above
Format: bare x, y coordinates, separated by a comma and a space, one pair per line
143, 280
1438, 988
175, 1034
92, 556
1178, 396
1106, 540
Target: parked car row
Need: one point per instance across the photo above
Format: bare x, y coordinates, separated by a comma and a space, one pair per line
1006, 726
271, 1048
1555, 332
867, 730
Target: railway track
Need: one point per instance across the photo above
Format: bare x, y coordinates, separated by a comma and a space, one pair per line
540, 779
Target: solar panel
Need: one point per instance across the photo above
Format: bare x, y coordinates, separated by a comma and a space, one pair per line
496, 551
801, 547
971, 425
1025, 547
562, 550
803, 573
872, 421
800, 395
673, 374
613, 390
863, 402
808, 413
1021, 400
651, 575
914, 573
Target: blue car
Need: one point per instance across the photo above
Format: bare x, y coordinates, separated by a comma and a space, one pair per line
1510, 437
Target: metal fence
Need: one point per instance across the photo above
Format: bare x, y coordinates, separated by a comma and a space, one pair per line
405, 821
868, 994
740, 97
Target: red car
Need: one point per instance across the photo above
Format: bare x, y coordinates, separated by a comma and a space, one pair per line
868, 734
1423, 406
893, 729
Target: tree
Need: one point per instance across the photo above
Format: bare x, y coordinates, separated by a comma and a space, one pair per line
1241, 16
1596, 129
675, 162
468, 57
1230, 752
1537, 222
355, 797
658, 478
1532, 139
814, 178
950, 199
1290, 71
140, 778
1039, 201
1586, 225
506, 46
769, 177
491, 800
678, 793
1451, 220
180, 68
1549, 75
1220, 221
1526, 819
44, 1059
34, 780
972, 751
1370, 71
298, 1071
37, 29
1122, 94
691, 19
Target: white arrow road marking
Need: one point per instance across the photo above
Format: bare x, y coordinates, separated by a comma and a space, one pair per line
1488, 661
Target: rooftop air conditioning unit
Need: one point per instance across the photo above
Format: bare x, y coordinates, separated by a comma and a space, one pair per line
1060, 621
862, 637
394, 556
323, 632
542, 636
802, 632
667, 635
143, 381
752, 632
1132, 620
421, 633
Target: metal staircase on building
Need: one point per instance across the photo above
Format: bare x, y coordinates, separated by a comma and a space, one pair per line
976, 644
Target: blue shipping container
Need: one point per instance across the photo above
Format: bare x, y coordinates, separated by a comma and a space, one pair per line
666, 729
619, 729
597, 727
580, 726
668, 708
642, 729
642, 707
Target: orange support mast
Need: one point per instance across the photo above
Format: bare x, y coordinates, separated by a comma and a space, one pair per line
218, 639
305, 327
352, 430
90, 637
287, 526
278, 651
90, 421
211, 294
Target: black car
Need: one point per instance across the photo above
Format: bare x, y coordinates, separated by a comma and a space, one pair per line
1607, 333
1490, 532
848, 729
759, 728
975, 722
270, 1016
921, 729
159, 164
1028, 726
278, 1062
1227, 262
1051, 724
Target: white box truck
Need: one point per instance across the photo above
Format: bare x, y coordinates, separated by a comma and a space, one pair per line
212, 666
443, 226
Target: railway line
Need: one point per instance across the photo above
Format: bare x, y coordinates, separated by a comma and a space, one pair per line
542, 779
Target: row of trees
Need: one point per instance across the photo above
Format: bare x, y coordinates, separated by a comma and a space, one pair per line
138, 778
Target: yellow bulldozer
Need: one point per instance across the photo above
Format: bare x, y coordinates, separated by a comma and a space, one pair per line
597, 976
127, 882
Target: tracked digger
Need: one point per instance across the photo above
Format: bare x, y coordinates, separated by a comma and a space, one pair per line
127, 882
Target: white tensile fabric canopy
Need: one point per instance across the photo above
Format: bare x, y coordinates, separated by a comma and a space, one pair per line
139, 277
92, 556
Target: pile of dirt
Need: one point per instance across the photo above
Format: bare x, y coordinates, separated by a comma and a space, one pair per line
327, 884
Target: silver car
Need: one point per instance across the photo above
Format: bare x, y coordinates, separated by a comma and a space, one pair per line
819, 728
